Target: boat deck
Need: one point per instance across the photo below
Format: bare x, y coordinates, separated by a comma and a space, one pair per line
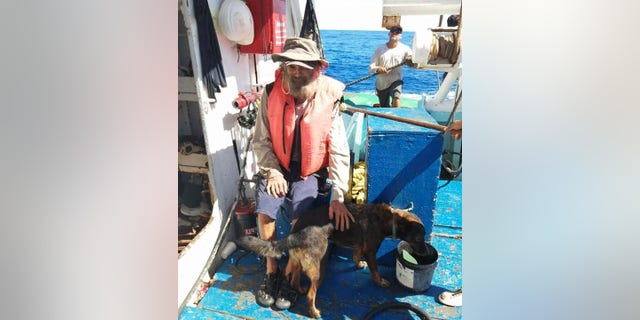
346, 293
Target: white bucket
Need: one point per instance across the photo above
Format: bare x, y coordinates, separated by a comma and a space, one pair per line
416, 277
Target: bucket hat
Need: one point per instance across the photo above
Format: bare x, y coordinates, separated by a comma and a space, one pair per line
300, 49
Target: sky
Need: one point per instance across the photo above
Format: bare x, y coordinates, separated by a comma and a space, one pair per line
361, 15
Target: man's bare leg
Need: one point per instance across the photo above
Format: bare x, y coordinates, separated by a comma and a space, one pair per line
267, 228
267, 292
395, 102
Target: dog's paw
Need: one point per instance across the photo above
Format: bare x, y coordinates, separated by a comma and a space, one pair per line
314, 313
361, 264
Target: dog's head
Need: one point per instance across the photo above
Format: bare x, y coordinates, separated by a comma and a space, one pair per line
409, 228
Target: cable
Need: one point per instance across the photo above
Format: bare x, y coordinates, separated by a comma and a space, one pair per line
261, 266
452, 178
397, 305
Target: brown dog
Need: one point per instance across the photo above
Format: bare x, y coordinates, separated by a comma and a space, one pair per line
307, 243
307, 248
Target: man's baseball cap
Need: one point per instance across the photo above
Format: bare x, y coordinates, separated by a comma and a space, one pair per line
396, 29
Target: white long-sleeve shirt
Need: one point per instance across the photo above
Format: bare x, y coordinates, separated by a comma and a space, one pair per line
388, 57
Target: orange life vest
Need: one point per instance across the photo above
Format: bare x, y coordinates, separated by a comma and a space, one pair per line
315, 124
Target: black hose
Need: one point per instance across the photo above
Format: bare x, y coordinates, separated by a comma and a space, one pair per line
397, 305
262, 265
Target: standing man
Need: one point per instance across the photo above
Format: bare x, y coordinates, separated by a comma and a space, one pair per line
389, 82
299, 133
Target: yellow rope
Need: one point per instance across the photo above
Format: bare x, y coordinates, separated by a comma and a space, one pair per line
358, 183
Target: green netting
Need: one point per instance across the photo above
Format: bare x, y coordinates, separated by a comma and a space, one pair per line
368, 99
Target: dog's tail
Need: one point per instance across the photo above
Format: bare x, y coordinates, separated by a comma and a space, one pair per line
261, 247
275, 249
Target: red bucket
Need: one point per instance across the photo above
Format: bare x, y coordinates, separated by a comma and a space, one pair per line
246, 219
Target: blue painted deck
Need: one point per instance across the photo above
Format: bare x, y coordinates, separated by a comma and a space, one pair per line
346, 293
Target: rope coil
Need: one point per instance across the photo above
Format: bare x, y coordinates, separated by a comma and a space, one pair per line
443, 45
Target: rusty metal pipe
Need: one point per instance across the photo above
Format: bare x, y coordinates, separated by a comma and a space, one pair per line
399, 119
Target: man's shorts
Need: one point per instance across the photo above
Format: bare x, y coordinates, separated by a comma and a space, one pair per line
394, 90
300, 198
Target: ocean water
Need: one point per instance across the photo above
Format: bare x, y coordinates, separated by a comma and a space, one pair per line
349, 54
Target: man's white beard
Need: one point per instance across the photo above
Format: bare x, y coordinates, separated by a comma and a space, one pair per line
301, 88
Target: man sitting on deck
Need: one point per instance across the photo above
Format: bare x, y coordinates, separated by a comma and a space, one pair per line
299, 132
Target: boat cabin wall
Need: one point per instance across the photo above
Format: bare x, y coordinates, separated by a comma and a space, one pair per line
244, 73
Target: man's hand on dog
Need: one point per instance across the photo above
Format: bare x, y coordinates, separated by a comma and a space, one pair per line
341, 213
277, 186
